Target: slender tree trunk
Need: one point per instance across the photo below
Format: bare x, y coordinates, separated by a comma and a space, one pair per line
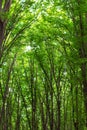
51, 105
3, 23
76, 122
42, 115
17, 125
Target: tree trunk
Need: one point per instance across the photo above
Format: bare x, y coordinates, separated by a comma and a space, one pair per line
3, 23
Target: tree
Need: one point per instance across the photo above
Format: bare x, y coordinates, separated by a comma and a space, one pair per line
43, 65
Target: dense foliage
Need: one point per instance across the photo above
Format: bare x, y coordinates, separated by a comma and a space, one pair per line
43, 65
